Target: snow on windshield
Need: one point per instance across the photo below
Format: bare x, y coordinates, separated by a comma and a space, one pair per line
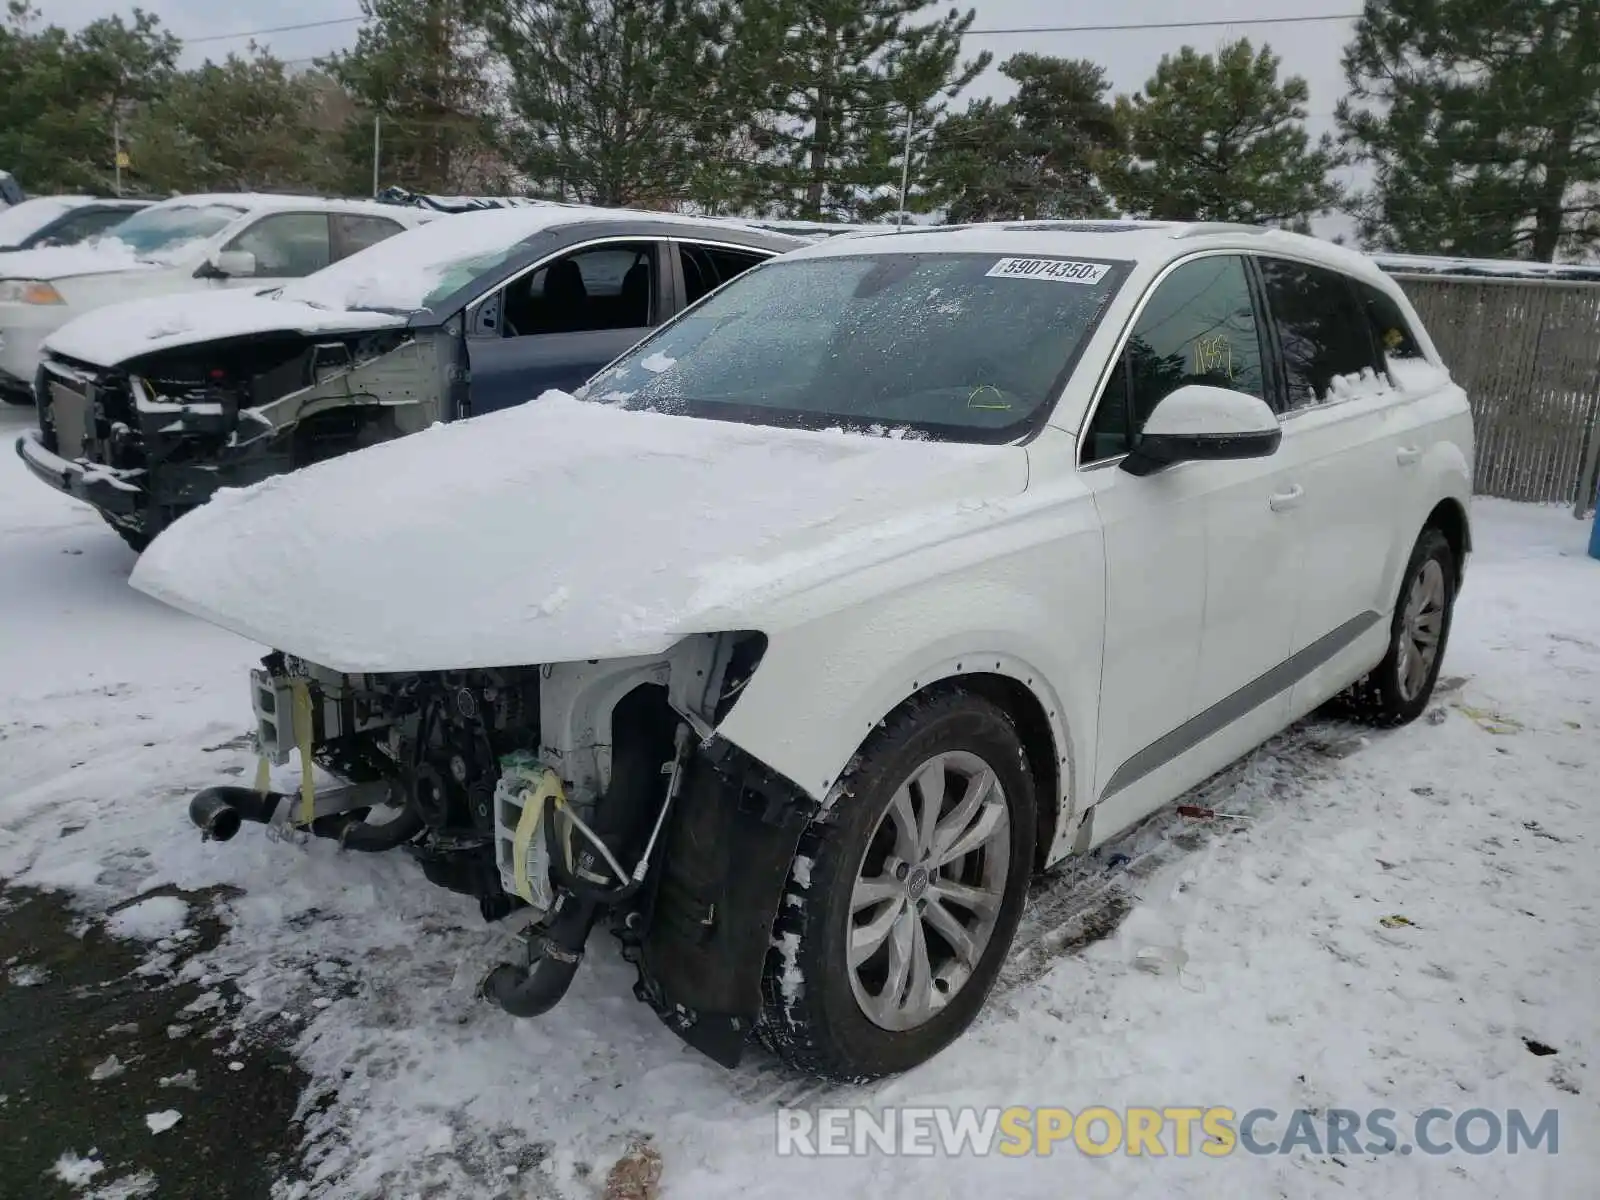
164, 230
967, 346
421, 266
22, 221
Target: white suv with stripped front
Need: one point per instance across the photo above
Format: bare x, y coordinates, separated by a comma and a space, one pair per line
899, 567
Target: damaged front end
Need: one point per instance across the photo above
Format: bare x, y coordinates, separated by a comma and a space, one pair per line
569, 794
149, 440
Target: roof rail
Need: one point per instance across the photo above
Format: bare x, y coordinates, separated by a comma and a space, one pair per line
1202, 228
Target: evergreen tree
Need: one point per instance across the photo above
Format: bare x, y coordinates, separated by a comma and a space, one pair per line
1220, 138
66, 96
831, 83
611, 101
1481, 121
419, 68
1034, 156
242, 125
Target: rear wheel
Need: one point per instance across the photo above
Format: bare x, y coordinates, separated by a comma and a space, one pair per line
1399, 689
19, 398
905, 895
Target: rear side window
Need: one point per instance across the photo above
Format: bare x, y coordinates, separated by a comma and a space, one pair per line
706, 268
353, 233
1323, 332
1390, 329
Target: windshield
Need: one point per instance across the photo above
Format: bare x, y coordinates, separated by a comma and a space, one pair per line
163, 227
968, 347
22, 221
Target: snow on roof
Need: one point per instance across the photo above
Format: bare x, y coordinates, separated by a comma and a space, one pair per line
400, 272
1136, 241
22, 221
268, 201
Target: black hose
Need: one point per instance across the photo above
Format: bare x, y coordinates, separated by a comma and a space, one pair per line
536, 989
353, 833
219, 811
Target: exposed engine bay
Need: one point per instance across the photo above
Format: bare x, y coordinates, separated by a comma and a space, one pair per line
566, 794
172, 427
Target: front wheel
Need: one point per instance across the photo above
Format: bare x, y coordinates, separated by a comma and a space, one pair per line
1399, 689
905, 895
19, 398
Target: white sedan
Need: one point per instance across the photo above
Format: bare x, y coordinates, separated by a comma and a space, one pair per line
186, 244
898, 568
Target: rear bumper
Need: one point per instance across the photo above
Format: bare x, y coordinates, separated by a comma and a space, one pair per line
105, 489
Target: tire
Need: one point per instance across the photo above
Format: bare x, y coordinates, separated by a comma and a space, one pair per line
20, 399
1398, 690
815, 1012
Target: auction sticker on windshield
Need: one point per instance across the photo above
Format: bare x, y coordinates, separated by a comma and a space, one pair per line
1057, 270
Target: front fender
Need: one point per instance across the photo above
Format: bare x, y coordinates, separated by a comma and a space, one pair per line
1033, 614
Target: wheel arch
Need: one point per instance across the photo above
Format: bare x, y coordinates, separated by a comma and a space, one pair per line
1449, 517
1047, 758
1011, 680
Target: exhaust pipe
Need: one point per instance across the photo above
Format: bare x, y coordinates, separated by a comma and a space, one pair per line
536, 989
219, 812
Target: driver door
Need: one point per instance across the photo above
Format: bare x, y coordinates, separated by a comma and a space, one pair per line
1201, 558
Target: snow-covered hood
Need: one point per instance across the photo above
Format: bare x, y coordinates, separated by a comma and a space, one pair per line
559, 531
112, 335
105, 257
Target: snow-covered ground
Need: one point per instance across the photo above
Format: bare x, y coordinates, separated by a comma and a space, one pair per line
1278, 984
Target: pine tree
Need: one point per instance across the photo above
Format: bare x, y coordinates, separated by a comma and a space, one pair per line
419, 69
66, 96
241, 125
1034, 156
1481, 122
832, 83
610, 101
1220, 138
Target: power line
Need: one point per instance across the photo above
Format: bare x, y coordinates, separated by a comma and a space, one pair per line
250, 33
1010, 31
1208, 24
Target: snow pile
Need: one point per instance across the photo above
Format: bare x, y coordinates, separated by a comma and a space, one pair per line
160, 1122
149, 920
64, 262
75, 1172
618, 519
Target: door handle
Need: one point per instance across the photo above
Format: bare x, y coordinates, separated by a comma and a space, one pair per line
1283, 501
1407, 455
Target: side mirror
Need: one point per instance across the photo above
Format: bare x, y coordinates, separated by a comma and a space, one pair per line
1197, 423
228, 264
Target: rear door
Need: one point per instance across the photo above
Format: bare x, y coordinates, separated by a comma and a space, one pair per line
1342, 427
558, 323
